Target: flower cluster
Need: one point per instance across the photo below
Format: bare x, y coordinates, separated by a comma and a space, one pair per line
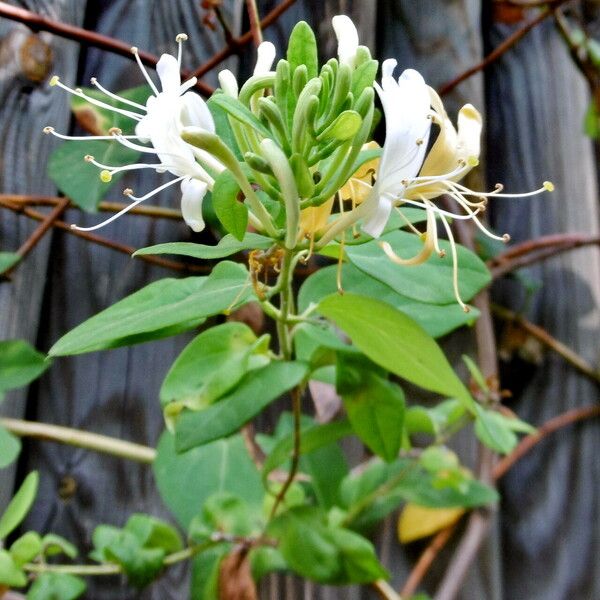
306, 139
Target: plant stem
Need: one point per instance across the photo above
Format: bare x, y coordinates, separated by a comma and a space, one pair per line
80, 439
254, 19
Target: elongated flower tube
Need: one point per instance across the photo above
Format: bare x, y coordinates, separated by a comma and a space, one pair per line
347, 37
407, 176
160, 123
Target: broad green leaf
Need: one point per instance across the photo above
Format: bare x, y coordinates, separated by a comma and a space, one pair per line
432, 421
375, 406
497, 431
26, 548
429, 282
154, 533
205, 573
363, 77
79, 179
20, 364
265, 560
324, 553
256, 391
8, 260
302, 49
11, 574
394, 341
19, 506
312, 439
161, 308
227, 246
228, 205
236, 110
56, 586
437, 320
10, 446
209, 366
186, 480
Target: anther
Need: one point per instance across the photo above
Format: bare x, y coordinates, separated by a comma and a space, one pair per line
78, 91
548, 186
127, 192
134, 50
88, 158
472, 161
499, 187
54, 80
93, 80
48, 130
419, 141
506, 238
105, 176
442, 253
466, 308
181, 37
115, 131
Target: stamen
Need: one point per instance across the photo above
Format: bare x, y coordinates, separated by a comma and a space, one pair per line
85, 138
110, 94
180, 38
407, 221
135, 52
129, 193
338, 273
79, 92
454, 265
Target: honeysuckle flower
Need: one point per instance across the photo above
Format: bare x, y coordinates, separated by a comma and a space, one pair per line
160, 122
405, 175
347, 37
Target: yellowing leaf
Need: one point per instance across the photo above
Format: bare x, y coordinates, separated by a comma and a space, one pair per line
416, 522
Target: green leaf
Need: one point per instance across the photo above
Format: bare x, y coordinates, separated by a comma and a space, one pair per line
79, 179
394, 341
56, 586
302, 49
323, 553
186, 480
54, 545
375, 406
363, 77
11, 574
19, 506
209, 366
256, 391
154, 533
235, 109
205, 573
228, 206
436, 320
345, 126
26, 548
591, 122
8, 260
222, 126
497, 431
429, 282
227, 246
162, 308
10, 447
20, 364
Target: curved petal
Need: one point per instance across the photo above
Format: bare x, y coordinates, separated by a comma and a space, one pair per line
195, 112
168, 73
347, 37
378, 216
192, 195
406, 106
264, 61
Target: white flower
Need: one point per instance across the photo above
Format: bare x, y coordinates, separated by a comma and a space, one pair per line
160, 123
347, 37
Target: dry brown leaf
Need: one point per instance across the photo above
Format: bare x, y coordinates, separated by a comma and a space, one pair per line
235, 577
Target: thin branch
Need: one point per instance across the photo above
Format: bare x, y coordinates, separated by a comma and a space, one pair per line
31, 242
506, 45
142, 210
501, 468
80, 439
548, 340
385, 590
101, 241
542, 248
242, 40
254, 18
37, 22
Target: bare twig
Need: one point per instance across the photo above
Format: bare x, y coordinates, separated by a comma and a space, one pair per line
506, 45
102, 241
254, 18
542, 248
80, 439
242, 40
37, 22
548, 340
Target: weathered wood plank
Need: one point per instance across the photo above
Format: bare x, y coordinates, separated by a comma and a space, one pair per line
26, 106
536, 103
